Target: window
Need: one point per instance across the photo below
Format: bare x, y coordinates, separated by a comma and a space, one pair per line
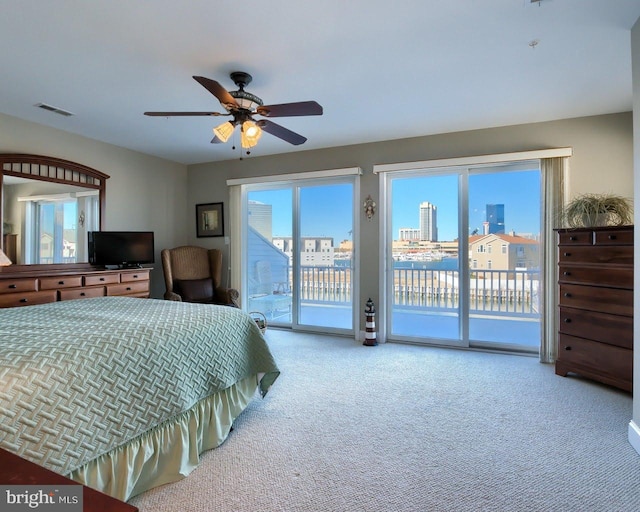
319, 280
58, 226
449, 298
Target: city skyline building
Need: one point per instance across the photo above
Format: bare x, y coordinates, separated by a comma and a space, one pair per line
428, 222
494, 222
261, 218
409, 234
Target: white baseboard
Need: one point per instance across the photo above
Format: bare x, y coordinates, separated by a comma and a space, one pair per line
634, 436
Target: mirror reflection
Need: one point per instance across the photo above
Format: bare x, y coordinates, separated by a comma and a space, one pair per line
45, 222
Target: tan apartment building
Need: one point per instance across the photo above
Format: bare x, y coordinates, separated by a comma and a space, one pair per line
498, 251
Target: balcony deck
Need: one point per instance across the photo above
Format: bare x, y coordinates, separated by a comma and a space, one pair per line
504, 309
514, 330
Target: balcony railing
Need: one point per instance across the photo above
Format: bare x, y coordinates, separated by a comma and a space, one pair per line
500, 291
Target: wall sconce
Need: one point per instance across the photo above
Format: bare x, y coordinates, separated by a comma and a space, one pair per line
369, 207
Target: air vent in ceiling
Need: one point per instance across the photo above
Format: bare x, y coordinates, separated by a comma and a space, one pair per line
51, 108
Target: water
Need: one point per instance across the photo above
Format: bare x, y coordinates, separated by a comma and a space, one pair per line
443, 264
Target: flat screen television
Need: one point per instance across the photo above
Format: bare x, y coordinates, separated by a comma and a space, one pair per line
123, 249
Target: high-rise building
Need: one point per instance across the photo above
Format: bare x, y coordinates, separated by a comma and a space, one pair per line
495, 219
261, 218
408, 234
428, 222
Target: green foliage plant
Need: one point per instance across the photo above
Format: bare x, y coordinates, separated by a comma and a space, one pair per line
594, 210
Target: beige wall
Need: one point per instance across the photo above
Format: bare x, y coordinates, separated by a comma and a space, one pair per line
602, 162
147, 193
143, 192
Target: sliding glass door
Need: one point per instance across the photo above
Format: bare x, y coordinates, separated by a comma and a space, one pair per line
268, 270
298, 267
325, 267
464, 244
504, 257
425, 255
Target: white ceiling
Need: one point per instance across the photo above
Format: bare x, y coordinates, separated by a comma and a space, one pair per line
381, 70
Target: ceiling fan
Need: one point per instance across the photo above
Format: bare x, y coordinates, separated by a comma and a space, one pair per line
243, 105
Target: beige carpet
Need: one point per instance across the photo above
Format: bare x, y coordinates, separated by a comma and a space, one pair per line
407, 428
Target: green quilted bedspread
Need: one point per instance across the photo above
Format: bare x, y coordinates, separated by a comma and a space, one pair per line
79, 378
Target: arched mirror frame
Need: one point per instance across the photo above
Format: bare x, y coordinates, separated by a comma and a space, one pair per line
54, 170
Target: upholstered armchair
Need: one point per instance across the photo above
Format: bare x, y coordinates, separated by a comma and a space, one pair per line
194, 274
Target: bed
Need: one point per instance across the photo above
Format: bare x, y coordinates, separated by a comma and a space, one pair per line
123, 394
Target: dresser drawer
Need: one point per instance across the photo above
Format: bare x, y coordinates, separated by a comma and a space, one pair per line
618, 277
88, 292
606, 300
613, 254
575, 238
618, 237
134, 288
602, 327
101, 279
607, 363
11, 300
127, 277
55, 283
18, 285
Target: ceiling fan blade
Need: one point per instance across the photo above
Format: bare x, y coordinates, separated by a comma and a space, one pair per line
281, 132
301, 108
169, 114
217, 90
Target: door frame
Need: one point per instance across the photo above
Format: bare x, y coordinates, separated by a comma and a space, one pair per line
238, 196
553, 181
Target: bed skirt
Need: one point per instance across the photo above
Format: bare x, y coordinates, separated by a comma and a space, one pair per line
170, 451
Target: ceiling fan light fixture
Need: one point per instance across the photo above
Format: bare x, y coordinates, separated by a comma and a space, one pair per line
246, 100
224, 131
250, 135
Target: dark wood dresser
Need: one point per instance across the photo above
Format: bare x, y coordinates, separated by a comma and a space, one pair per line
27, 285
595, 277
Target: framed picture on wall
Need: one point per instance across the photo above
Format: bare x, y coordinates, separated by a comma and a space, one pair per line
209, 220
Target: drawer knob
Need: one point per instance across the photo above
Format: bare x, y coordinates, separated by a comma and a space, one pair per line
567, 254
567, 320
82, 294
128, 288
566, 273
567, 294
612, 237
24, 300
60, 282
13, 286
572, 238
102, 279
567, 347
135, 276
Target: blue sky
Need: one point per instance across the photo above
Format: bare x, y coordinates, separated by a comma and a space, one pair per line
69, 214
326, 210
518, 191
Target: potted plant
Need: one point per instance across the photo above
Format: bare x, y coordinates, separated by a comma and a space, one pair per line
594, 210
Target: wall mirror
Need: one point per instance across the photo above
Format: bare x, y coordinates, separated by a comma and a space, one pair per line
47, 206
